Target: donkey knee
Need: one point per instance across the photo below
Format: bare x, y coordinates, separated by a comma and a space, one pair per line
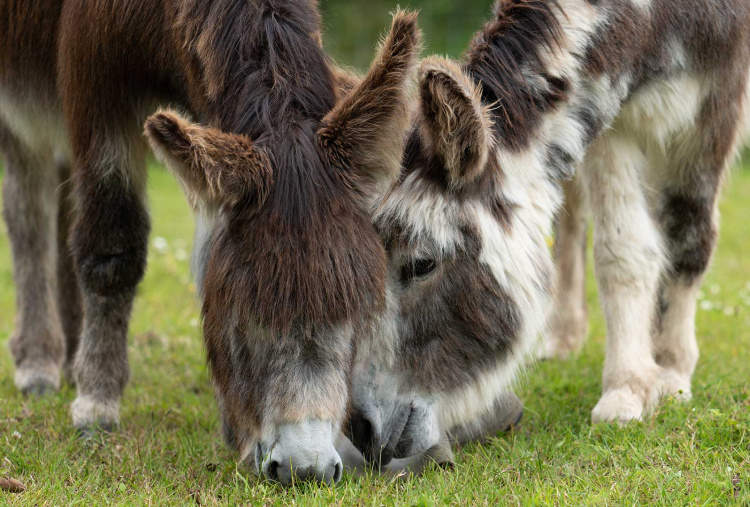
689, 226
111, 244
635, 266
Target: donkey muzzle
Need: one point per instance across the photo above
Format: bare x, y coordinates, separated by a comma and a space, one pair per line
408, 430
300, 452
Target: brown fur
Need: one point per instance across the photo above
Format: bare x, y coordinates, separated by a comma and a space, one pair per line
215, 167
295, 260
346, 135
458, 130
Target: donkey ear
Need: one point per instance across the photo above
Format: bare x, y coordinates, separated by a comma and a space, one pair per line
454, 122
366, 132
215, 168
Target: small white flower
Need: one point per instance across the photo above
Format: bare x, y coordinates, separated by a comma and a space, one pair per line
181, 255
714, 289
194, 322
729, 311
160, 244
16, 435
707, 305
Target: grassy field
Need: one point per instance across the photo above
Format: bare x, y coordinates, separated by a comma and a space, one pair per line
168, 451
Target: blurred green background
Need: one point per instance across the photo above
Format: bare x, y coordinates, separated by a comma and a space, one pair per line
352, 28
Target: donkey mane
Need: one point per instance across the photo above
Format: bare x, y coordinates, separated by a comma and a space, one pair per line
267, 77
506, 57
263, 68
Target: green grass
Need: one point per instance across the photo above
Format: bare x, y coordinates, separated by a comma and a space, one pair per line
169, 452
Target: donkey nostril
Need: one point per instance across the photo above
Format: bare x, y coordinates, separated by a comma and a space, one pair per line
338, 471
272, 471
362, 434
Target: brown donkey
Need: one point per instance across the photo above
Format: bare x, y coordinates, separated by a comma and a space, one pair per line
652, 93
282, 169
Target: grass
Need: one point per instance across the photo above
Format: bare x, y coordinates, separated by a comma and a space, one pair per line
169, 452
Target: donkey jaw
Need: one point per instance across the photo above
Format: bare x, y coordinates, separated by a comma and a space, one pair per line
300, 451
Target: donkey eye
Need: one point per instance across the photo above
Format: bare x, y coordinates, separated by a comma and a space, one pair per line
417, 269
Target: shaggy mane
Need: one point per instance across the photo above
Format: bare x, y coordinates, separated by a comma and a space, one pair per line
290, 261
500, 58
261, 62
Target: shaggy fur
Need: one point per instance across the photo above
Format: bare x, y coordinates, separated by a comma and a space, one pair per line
669, 78
281, 174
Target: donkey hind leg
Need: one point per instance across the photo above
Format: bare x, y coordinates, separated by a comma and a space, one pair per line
109, 242
68, 291
30, 211
629, 257
569, 325
689, 218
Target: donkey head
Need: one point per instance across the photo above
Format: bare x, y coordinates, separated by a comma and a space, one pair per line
293, 263
468, 276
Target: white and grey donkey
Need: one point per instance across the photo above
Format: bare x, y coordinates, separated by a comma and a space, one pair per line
650, 93
651, 185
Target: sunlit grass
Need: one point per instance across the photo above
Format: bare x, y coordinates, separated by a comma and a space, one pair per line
169, 452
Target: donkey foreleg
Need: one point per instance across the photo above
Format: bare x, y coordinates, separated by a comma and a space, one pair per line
110, 241
629, 257
30, 211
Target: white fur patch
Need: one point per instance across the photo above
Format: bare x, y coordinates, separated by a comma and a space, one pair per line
428, 217
662, 110
88, 411
27, 378
643, 4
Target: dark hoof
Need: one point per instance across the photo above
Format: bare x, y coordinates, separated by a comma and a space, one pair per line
39, 389
95, 430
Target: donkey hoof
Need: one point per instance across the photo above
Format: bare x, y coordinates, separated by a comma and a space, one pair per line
94, 416
36, 383
90, 432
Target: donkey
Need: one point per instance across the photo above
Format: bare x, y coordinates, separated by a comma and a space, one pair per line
280, 161
651, 92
